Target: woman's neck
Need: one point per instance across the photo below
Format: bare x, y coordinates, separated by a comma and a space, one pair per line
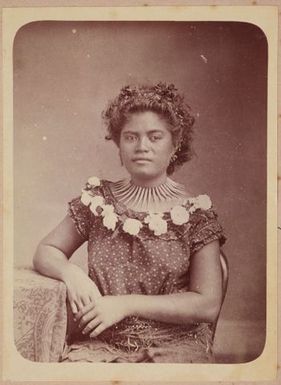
158, 198
153, 182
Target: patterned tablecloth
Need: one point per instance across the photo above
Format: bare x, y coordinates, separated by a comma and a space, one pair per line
40, 316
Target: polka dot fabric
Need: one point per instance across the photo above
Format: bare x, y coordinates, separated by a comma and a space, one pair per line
120, 263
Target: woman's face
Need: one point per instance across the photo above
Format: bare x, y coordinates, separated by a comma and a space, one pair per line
146, 147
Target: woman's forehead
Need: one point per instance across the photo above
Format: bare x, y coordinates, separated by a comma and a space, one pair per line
145, 120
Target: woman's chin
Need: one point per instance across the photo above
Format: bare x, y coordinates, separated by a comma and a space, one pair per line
145, 176
142, 176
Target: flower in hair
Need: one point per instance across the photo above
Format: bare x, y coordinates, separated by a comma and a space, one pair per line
166, 91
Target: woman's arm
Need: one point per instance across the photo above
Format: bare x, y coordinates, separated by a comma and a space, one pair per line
52, 259
52, 254
200, 304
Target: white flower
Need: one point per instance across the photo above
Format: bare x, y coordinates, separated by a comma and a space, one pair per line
204, 202
201, 202
192, 200
156, 223
192, 209
179, 215
132, 226
107, 210
94, 181
86, 197
96, 201
110, 220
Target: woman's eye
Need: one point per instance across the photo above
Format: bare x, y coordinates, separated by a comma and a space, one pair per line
130, 138
154, 138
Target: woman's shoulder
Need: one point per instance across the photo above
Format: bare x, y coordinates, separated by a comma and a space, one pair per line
94, 186
95, 182
201, 202
192, 200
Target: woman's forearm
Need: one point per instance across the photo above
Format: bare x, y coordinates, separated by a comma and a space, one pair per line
81, 290
52, 262
177, 308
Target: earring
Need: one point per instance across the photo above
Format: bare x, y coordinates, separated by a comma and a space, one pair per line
173, 158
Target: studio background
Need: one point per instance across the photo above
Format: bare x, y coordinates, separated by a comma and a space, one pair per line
64, 75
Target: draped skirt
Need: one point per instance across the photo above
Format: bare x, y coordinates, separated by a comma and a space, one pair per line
139, 340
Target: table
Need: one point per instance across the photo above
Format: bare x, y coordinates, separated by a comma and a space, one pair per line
40, 316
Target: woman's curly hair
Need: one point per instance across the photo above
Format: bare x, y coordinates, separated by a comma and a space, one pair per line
162, 99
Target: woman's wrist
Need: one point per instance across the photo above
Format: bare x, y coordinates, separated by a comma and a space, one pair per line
68, 269
130, 304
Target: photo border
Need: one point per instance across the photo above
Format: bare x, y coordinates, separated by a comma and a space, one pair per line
15, 367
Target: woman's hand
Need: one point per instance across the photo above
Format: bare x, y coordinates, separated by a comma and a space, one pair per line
103, 313
81, 290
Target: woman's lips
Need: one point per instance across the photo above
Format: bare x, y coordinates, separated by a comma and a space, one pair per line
141, 160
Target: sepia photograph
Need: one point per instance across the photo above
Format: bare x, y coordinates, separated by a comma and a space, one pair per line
140, 193
155, 133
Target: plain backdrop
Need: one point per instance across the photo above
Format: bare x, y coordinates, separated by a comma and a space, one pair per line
64, 75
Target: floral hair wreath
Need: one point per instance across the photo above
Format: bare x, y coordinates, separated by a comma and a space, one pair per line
179, 214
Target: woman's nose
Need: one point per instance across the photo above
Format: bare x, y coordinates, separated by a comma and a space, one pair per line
142, 144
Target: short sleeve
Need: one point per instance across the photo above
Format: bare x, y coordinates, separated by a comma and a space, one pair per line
204, 229
81, 216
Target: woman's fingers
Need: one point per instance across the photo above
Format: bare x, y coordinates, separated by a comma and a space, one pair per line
88, 317
81, 307
98, 330
88, 298
79, 304
91, 325
85, 300
75, 302
73, 307
85, 310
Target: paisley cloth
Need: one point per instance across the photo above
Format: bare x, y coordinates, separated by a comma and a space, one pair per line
40, 317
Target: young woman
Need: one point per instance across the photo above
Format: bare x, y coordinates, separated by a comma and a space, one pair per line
154, 283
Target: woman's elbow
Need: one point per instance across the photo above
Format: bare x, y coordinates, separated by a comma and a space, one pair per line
211, 311
39, 257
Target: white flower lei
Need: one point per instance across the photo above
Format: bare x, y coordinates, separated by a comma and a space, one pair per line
179, 214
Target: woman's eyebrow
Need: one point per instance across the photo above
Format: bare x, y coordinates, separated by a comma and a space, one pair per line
155, 131
129, 132
148, 132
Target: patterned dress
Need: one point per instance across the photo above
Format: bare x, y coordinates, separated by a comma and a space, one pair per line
138, 261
